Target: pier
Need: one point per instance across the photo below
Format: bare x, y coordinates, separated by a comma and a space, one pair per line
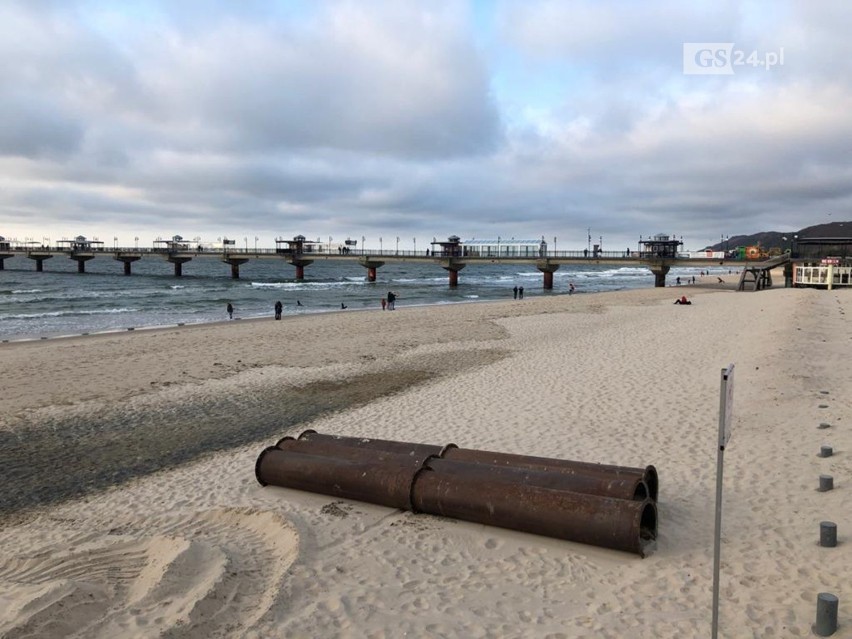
658, 254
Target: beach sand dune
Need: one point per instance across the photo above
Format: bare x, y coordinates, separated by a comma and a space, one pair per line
196, 547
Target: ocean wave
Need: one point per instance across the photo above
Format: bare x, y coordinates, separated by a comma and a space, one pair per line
67, 313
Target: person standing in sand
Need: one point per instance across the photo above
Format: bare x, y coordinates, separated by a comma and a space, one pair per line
384, 303
230, 309
278, 308
515, 292
391, 300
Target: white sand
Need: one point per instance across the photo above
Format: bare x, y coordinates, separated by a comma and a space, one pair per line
626, 378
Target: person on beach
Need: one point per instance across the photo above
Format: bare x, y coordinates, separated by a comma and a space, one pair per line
721, 281
278, 308
343, 306
678, 281
682, 300
571, 288
515, 292
384, 303
230, 309
391, 300
520, 292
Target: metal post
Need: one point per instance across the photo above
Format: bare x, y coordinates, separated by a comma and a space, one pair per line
725, 404
826, 617
827, 534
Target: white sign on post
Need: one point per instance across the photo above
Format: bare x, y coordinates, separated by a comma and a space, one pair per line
726, 397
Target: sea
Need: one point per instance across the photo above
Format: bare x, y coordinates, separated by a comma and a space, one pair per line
60, 301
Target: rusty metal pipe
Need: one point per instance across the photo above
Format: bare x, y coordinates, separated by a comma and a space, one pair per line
566, 466
406, 448
385, 483
330, 448
632, 487
620, 524
604, 472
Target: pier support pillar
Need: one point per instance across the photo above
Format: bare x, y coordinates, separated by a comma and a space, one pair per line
39, 260
179, 262
660, 275
235, 265
372, 266
300, 265
548, 270
81, 261
127, 259
452, 267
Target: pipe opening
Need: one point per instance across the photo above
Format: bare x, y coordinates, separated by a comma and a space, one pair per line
257, 463
641, 492
648, 523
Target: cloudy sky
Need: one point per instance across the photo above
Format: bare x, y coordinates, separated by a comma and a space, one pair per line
528, 118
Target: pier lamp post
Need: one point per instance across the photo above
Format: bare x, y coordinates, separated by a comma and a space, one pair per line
136, 239
380, 244
363, 239
114, 243
329, 243
414, 239
554, 245
397, 244
255, 243
498, 246
245, 239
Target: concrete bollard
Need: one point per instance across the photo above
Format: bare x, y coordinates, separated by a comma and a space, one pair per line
826, 615
827, 534
826, 451
826, 483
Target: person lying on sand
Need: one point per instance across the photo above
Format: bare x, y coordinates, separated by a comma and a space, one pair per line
682, 300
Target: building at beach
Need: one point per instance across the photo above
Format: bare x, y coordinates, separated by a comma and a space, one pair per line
822, 261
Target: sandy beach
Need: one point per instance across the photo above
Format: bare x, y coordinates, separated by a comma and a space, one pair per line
130, 506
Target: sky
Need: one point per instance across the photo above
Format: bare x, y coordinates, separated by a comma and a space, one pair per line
257, 120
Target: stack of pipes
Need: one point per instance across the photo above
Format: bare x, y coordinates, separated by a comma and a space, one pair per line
608, 506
